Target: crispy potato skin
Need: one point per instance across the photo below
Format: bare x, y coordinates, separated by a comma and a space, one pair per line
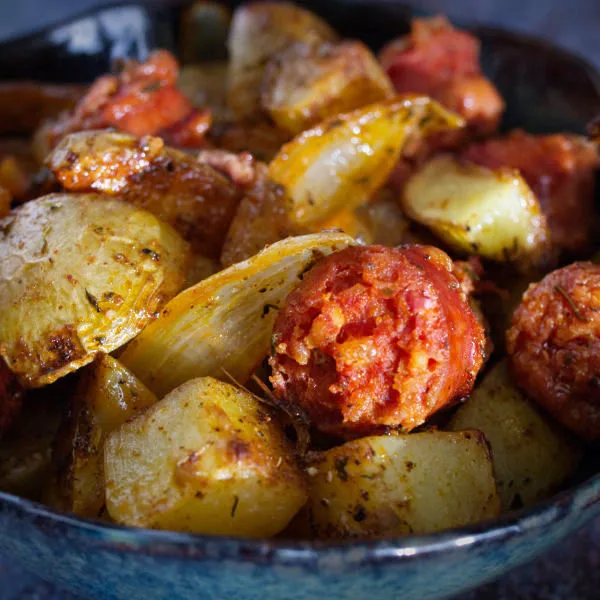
554, 346
443, 62
376, 337
191, 196
142, 100
559, 169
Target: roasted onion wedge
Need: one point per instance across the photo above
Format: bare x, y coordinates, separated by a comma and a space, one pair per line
341, 162
222, 326
479, 211
80, 274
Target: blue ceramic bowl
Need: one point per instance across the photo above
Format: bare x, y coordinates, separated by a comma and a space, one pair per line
546, 90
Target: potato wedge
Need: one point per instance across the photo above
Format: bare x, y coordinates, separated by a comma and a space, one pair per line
532, 456
340, 163
385, 486
80, 274
305, 84
207, 458
259, 30
479, 211
193, 197
222, 326
107, 395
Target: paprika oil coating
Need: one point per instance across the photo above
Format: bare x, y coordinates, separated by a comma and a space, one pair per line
376, 338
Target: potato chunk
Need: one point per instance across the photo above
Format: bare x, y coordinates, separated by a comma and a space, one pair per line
107, 395
208, 458
397, 485
222, 326
341, 162
194, 198
532, 456
490, 213
259, 30
80, 274
305, 84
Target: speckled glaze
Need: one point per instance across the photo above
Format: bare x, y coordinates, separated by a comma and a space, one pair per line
546, 90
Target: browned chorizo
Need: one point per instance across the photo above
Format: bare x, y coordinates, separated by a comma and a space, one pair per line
554, 345
376, 338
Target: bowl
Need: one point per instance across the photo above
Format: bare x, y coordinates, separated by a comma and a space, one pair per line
546, 89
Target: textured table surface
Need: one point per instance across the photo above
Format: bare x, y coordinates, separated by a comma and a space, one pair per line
570, 571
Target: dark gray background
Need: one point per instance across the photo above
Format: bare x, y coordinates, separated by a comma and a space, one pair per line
574, 24
571, 571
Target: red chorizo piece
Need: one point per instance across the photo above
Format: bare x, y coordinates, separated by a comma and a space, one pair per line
376, 338
554, 345
443, 62
559, 169
11, 397
142, 100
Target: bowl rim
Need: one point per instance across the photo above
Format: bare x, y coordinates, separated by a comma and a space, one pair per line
559, 507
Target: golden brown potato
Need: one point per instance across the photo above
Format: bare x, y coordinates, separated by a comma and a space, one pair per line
194, 198
26, 448
80, 274
208, 458
258, 32
222, 326
107, 395
493, 214
401, 484
305, 84
532, 456
342, 162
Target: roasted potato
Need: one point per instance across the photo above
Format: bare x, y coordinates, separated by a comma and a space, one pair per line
493, 214
207, 458
258, 32
222, 326
194, 198
342, 162
532, 456
106, 396
305, 84
401, 484
80, 274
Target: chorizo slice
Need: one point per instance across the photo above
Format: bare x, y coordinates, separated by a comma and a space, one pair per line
376, 338
554, 346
